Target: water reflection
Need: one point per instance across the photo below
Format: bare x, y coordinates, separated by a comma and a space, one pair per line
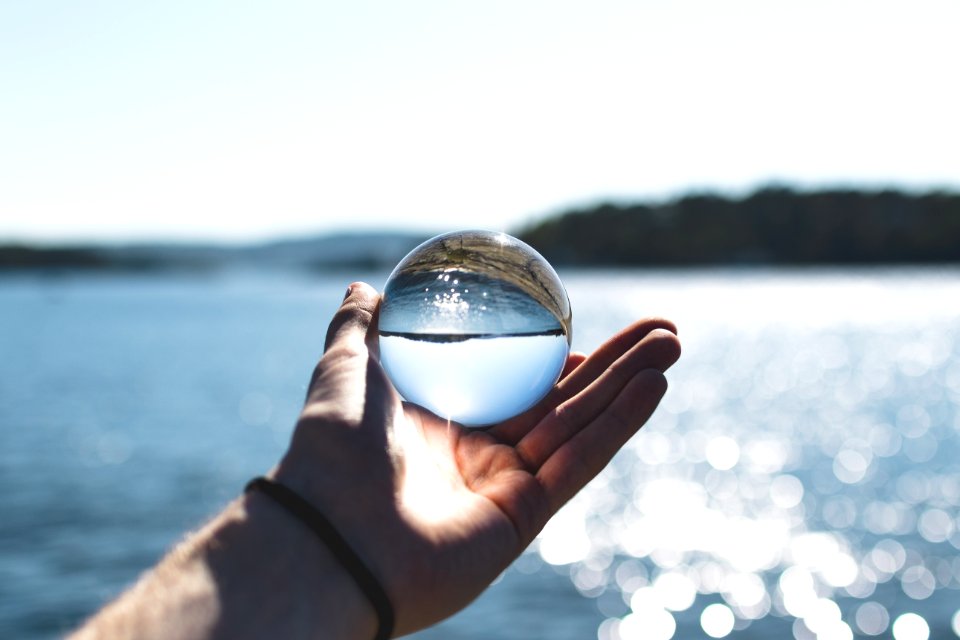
803, 473
801, 477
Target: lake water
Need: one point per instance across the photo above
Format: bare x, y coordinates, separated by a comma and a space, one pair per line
801, 478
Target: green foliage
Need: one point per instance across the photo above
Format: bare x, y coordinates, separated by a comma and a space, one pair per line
22, 257
772, 226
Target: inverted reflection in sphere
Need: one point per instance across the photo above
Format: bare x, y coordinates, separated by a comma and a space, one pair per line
474, 326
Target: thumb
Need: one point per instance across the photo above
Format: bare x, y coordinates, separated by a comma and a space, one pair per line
351, 323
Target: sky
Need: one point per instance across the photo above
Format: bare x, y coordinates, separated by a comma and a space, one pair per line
243, 120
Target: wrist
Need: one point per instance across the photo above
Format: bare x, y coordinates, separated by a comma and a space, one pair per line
268, 561
364, 511
328, 535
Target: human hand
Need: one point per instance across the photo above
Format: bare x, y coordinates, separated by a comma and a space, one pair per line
438, 511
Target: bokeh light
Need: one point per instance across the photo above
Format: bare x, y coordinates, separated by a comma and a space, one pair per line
910, 626
801, 479
717, 620
872, 618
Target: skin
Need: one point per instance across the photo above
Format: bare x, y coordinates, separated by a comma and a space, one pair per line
435, 510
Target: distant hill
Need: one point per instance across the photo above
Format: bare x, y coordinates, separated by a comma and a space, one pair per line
25, 257
771, 226
343, 250
335, 251
774, 225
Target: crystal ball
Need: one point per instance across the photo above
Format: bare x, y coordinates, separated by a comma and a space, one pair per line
474, 326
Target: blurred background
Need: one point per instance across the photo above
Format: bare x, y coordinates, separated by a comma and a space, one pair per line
187, 188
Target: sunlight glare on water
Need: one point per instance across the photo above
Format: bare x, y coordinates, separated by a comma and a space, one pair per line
717, 620
804, 461
802, 468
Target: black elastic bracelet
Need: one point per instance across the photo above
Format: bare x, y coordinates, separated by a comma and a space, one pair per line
311, 517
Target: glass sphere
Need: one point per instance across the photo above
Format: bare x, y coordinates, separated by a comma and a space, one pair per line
474, 326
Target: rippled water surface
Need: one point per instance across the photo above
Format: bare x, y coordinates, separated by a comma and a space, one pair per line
801, 479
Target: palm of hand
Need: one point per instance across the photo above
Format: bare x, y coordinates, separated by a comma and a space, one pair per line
439, 510
469, 504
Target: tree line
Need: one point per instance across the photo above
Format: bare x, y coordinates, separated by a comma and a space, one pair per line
774, 225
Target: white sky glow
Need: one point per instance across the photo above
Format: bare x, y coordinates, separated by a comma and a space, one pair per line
232, 121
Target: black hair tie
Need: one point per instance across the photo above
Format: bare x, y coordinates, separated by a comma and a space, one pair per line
310, 516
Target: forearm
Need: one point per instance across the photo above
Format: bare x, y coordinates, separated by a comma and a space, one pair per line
253, 572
